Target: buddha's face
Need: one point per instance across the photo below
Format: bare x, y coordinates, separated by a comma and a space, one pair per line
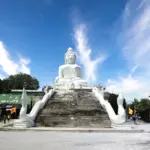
70, 58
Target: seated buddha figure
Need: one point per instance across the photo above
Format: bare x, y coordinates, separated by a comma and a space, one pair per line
70, 74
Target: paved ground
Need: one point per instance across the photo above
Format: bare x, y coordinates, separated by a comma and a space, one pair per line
7, 123
50, 140
73, 141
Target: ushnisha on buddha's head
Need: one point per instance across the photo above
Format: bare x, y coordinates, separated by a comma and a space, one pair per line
70, 56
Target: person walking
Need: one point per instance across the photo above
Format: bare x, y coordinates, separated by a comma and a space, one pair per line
134, 117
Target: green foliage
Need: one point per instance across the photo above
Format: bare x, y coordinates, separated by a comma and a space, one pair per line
5, 86
100, 86
19, 81
141, 105
1, 85
46, 86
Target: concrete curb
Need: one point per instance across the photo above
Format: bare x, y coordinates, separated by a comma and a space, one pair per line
97, 130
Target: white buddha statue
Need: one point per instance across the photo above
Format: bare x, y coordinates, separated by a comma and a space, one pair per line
70, 74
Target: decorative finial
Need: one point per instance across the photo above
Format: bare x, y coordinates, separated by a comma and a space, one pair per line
69, 49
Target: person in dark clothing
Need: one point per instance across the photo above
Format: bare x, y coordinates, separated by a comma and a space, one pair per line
134, 117
5, 114
4, 118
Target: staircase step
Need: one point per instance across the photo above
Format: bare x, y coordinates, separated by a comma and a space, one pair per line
73, 109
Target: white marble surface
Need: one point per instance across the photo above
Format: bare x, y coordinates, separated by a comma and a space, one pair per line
27, 120
116, 119
70, 74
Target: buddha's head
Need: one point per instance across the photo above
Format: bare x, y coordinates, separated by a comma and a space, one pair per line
70, 56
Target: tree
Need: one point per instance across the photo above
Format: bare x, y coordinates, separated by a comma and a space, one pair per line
141, 105
5, 86
19, 81
100, 86
46, 88
1, 86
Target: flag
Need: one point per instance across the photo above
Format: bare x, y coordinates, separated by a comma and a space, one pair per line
13, 110
8, 107
130, 111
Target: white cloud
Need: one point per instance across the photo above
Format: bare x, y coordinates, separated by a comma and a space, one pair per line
136, 35
23, 65
133, 70
131, 87
135, 45
9, 66
85, 53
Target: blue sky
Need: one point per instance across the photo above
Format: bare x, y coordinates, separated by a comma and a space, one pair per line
110, 37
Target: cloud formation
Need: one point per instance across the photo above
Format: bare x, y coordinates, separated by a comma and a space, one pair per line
9, 66
84, 53
136, 33
130, 86
135, 45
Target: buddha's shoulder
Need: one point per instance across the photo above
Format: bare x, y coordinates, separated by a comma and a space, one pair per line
77, 66
62, 66
69, 66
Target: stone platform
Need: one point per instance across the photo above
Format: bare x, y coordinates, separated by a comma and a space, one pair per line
74, 108
62, 129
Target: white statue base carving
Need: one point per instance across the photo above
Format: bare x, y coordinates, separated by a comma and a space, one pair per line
27, 120
115, 119
71, 84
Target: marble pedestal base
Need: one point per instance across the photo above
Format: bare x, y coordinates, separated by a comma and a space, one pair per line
71, 84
